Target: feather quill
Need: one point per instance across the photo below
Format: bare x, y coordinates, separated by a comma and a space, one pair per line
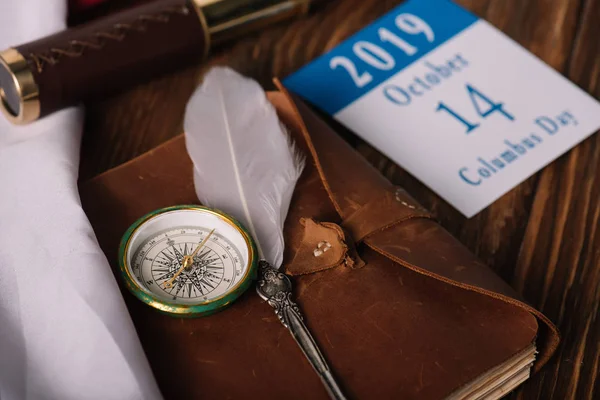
244, 161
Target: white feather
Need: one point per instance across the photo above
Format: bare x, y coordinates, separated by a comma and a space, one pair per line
244, 161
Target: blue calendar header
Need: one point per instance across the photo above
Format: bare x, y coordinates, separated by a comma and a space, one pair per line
379, 51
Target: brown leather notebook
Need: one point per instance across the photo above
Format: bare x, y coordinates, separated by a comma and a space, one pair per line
399, 307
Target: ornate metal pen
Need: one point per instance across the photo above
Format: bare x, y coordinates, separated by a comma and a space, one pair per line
276, 289
123, 49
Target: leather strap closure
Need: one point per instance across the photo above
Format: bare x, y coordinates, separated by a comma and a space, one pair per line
392, 208
324, 245
327, 245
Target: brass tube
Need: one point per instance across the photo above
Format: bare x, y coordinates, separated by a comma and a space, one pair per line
19, 95
229, 19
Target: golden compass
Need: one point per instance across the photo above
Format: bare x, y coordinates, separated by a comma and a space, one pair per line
187, 260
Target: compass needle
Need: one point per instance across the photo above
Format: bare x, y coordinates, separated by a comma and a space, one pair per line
188, 261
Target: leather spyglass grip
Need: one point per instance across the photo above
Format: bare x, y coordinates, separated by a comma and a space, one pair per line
96, 59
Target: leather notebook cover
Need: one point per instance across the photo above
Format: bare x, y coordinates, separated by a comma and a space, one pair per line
398, 306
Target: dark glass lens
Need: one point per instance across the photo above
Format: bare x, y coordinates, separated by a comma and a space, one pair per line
9, 92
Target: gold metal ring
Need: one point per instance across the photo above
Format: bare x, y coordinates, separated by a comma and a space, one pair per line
25, 86
207, 38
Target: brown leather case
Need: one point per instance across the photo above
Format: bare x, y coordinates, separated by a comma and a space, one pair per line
407, 313
100, 57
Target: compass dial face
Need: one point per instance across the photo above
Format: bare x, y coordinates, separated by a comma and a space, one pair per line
188, 256
215, 269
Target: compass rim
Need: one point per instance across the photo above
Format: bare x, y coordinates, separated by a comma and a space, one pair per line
204, 308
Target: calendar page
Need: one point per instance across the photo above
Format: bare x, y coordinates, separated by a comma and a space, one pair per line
451, 99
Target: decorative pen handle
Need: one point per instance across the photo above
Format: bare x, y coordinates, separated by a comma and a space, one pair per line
276, 288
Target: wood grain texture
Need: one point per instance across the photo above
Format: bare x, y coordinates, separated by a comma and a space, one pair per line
543, 236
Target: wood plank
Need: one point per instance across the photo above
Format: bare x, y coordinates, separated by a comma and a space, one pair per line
559, 264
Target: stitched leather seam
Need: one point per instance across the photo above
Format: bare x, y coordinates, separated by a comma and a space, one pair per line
118, 33
407, 205
398, 196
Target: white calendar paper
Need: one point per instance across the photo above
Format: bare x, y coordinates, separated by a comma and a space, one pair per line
451, 99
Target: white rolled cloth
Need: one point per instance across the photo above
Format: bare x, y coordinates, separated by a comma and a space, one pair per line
65, 332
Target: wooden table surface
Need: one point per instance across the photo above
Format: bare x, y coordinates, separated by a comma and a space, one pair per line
543, 237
